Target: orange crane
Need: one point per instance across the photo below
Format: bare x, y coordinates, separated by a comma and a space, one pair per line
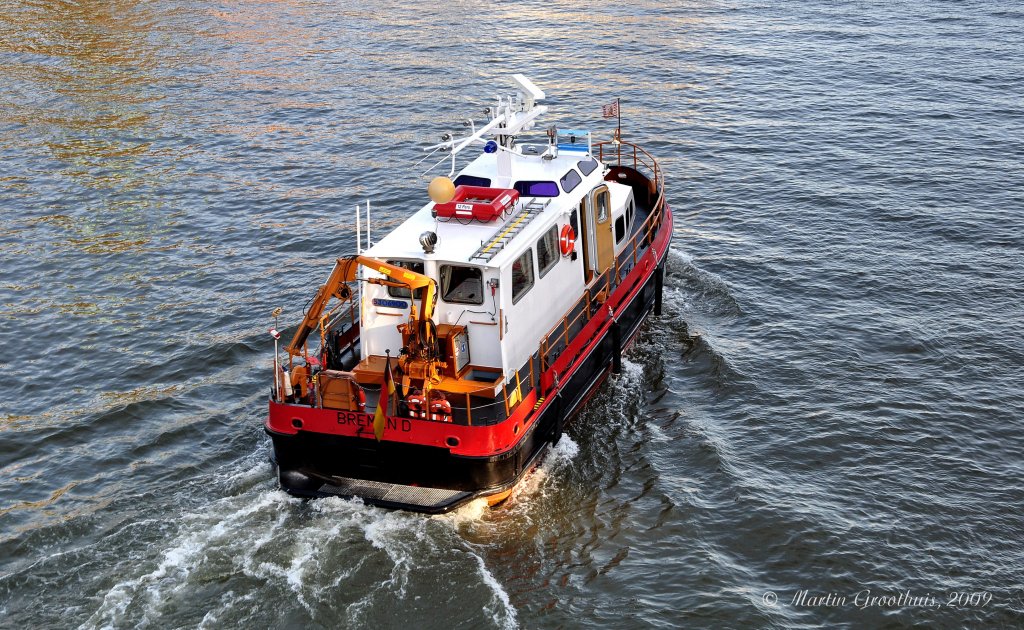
421, 328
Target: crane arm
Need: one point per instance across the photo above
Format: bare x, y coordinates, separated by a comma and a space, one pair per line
344, 272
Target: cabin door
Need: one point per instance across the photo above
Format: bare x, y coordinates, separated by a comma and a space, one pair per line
600, 228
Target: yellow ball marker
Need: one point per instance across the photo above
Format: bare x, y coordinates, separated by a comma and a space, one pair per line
441, 190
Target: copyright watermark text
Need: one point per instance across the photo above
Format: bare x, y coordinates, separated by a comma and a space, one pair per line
867, 598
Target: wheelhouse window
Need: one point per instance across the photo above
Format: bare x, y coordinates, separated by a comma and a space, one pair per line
620, 229
570, 180
402, 292
587, 166
547, 251
537, 189
462, 285
522, 275
472, 180
602, 206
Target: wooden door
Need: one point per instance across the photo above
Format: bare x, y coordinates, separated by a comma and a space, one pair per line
601, 215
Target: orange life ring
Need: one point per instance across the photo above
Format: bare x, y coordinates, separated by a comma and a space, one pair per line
567, 240
441, 411
417, 405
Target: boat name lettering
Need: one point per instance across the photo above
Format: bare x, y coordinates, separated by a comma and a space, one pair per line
366, 420
390, 303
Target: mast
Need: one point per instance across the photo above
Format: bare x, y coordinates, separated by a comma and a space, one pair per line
512, 115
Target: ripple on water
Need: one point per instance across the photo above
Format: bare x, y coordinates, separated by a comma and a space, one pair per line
830, 400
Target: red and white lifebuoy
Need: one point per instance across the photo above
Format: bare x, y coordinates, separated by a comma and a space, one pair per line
441, 410
417, 405
567, 240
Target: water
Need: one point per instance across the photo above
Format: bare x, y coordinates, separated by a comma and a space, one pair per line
831, 403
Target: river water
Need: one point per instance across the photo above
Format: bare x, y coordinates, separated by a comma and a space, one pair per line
824, 428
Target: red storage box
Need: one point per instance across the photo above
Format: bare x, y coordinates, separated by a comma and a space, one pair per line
477, 202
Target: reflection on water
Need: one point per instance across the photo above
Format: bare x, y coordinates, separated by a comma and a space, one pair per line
171, 172
96, 68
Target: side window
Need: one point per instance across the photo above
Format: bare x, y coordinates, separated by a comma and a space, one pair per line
571, 180
537, 189
620, 228
547, 251
587, 166
401, 292
522, 275
472, 180
602, 206
462, 285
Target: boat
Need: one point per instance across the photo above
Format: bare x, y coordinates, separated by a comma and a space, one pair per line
438, 364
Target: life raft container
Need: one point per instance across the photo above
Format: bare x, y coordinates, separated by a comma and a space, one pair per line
477, 203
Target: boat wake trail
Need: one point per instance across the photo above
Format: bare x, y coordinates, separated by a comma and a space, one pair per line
331, 562
547, 475
144, 598
697, 305
702, 291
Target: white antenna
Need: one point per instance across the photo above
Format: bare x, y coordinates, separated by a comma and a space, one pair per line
508, 118
530, 91
359, 231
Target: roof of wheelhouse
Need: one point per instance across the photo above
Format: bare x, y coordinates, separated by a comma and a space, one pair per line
458, 241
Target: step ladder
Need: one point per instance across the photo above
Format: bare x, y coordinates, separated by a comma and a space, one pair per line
516, 224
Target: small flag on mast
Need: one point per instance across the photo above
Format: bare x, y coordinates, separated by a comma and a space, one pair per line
387, 390
610, 110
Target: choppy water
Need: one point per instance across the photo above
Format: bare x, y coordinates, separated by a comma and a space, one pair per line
831, 403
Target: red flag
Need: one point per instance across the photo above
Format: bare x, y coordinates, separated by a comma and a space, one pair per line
387, 390
611, 109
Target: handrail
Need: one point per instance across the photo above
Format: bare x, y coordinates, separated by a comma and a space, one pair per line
560, 331
652, 166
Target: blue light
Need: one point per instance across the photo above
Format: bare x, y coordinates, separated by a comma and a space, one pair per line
491, 147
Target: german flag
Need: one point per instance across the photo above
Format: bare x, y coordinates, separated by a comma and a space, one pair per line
387, 390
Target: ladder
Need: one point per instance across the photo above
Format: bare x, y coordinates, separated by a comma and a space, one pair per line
527, 213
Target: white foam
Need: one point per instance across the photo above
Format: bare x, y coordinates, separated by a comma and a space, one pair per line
229, 600
657, 434
187, 551
258, 471
680, 256
466, 514
501, 609
632, 375
562, 453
